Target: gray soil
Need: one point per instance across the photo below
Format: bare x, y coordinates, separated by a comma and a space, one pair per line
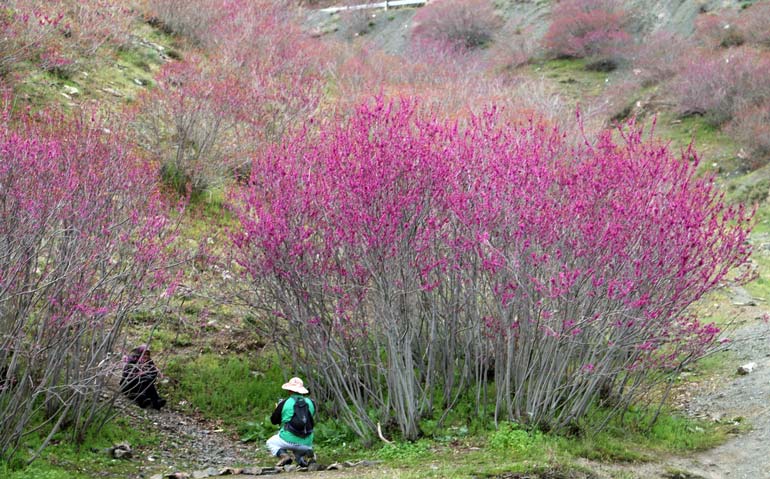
185, 443
739, 400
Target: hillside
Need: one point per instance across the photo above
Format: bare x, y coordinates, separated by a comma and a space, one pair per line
504, 239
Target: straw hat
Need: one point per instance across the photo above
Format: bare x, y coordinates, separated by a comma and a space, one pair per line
295, 385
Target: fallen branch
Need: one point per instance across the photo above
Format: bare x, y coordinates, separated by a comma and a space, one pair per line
379, 433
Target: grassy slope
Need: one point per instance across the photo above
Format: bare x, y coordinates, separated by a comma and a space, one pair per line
225, 389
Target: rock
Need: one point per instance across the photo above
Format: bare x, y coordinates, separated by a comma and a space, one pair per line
747, 368
71, 90
121, 451
230, 471
205, 473
157, 476
252, 471
178, 475
113, 92
741, 297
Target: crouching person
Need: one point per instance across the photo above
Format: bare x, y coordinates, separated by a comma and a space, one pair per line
295, 415
139, 377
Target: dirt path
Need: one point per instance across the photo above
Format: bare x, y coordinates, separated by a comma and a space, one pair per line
746, 456
736, 399
185, 443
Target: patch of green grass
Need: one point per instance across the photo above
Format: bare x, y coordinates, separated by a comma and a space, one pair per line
632, 439
233, 389
65, 460
576, 81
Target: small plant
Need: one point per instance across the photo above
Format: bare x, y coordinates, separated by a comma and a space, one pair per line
518, 442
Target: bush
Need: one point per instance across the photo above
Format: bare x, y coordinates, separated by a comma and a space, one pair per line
85, 240
729, 28
461, 24
751, 128
660, 56
720, 29
591, 29
444, 253
513, 45
753, 22
198, 122
718, 85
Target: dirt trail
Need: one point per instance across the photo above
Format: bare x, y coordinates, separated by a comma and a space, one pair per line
737, 399
746, 456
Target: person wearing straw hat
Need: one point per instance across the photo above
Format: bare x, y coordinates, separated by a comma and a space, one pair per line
295, 415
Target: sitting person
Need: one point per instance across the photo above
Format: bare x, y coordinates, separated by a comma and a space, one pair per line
295, 415
139, 376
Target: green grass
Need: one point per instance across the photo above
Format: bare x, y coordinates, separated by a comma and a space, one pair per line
232, 389
65, 460
576, 81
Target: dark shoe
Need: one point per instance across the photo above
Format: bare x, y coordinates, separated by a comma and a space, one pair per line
285, 460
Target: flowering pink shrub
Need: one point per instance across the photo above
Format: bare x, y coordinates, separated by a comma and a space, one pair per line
84, 236
461, 24
24, 27
593, 29
414, 257
720, 84
57, 32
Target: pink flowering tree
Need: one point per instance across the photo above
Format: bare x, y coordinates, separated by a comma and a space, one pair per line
402, 261
83, 235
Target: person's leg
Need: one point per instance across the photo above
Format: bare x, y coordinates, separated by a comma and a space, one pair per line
302, 454
279, 448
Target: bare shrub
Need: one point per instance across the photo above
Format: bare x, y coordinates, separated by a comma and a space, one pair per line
592, 29
751, 127
719, 84
465, 24
513, 46
660, 56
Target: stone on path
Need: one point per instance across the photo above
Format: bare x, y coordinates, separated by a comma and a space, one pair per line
747, 368
205, 473
121, 451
